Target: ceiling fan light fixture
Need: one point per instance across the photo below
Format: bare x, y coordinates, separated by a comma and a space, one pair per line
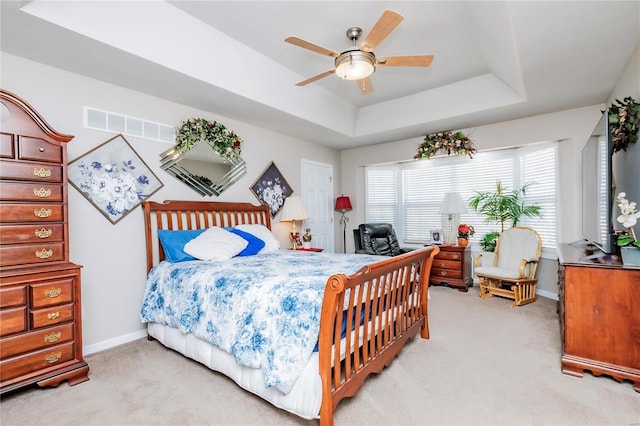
355, 65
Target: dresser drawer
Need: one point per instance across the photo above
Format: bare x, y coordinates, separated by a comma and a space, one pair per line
13, 321
36, 362
446, 264
33, 212
50, 316
6, 146
40, 172
13, 296
23, 191
12, 234
28, 342
20, 254
437, 273
449, 255
38, 150
51, 293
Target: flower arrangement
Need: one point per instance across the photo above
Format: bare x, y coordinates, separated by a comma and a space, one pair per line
624, 121
223, 141
307, 236
628, 219
452, 142
465, 231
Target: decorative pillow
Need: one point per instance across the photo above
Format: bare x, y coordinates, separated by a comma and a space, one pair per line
215, 244
255, 243
173, 243
262, 232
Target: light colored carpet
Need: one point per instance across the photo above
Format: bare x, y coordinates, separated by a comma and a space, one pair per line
486, 363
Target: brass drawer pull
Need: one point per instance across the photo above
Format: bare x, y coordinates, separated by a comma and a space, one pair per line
43, 233
456, 256
53, 337
42, 213
41, 149
53, 357
443, 265
53, 315
42, 192
443, 273
42, 172
44, 253
54, 292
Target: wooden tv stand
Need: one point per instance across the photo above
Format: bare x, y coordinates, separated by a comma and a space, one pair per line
599, 315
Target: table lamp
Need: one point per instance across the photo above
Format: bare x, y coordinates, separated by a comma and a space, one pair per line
292, 211
343, 204
451, 209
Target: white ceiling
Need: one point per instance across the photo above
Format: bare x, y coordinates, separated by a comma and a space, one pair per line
493, 61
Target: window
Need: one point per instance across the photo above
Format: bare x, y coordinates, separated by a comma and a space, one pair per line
409, 195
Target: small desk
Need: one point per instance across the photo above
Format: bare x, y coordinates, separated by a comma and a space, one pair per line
449, 268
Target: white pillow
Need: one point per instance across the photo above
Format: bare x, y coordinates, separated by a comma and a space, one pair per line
215, 244
262, 232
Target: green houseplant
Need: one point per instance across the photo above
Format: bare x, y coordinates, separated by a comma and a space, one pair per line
502, 206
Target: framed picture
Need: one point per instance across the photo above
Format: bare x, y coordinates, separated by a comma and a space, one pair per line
113, 178
436, 236
271, 188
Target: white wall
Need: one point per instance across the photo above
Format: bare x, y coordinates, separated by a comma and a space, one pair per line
113, 256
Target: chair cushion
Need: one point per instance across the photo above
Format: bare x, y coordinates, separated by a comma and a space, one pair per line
379, 238
494, 271
517, 244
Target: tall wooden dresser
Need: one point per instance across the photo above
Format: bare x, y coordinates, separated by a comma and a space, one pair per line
40, 311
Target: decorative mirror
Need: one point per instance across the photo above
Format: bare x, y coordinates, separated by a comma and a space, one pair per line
203, 169
206, 157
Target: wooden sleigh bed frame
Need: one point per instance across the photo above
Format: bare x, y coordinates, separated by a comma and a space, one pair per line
394, 293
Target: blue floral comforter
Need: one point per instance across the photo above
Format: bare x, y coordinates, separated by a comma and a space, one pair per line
263, 309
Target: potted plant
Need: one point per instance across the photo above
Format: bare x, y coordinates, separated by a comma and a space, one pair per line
502, 206
464, 232
306, 238
628, 242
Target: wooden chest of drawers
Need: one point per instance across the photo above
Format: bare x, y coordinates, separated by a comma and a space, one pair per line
40, 305
449, 268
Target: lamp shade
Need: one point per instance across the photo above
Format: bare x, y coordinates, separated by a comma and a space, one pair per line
453, 204
293, 210
343, 204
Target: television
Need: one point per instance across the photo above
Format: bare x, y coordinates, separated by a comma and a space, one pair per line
597, 188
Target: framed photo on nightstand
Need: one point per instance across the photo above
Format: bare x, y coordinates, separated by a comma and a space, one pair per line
436, 236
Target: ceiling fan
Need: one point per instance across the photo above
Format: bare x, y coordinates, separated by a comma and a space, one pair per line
358, 63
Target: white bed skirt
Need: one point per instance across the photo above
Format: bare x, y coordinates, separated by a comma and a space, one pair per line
304, 399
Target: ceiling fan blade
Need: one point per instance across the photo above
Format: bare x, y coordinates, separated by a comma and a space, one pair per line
311, 46
316, 77
365, 85
405, 61
387, 23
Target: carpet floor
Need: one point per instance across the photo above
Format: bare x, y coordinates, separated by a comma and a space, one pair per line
485, 364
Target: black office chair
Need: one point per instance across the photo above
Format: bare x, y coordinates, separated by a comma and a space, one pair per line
377, 238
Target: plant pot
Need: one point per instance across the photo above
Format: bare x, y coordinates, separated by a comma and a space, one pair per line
630, 256
463, 242
306, 244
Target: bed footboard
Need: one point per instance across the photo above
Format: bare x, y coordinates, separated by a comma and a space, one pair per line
383, 305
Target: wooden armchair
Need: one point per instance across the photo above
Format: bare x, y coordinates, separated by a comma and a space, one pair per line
511, 270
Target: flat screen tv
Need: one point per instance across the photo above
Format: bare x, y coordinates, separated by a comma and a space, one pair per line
597, 181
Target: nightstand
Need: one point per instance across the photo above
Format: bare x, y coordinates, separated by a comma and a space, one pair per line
449, 268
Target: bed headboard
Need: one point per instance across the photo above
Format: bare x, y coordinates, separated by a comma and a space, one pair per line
181, 215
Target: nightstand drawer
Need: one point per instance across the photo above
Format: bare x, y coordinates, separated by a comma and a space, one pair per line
449, 255
446, 264
446, 273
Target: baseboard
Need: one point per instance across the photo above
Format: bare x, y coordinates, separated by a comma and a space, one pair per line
547, 294
112, 343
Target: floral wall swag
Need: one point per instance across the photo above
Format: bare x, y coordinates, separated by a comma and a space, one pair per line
451, 142
223, 141
624, 121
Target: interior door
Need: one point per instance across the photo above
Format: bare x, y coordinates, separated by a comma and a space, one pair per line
317, 195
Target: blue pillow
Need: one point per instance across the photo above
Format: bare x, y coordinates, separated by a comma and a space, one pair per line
173, 243
255, 243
